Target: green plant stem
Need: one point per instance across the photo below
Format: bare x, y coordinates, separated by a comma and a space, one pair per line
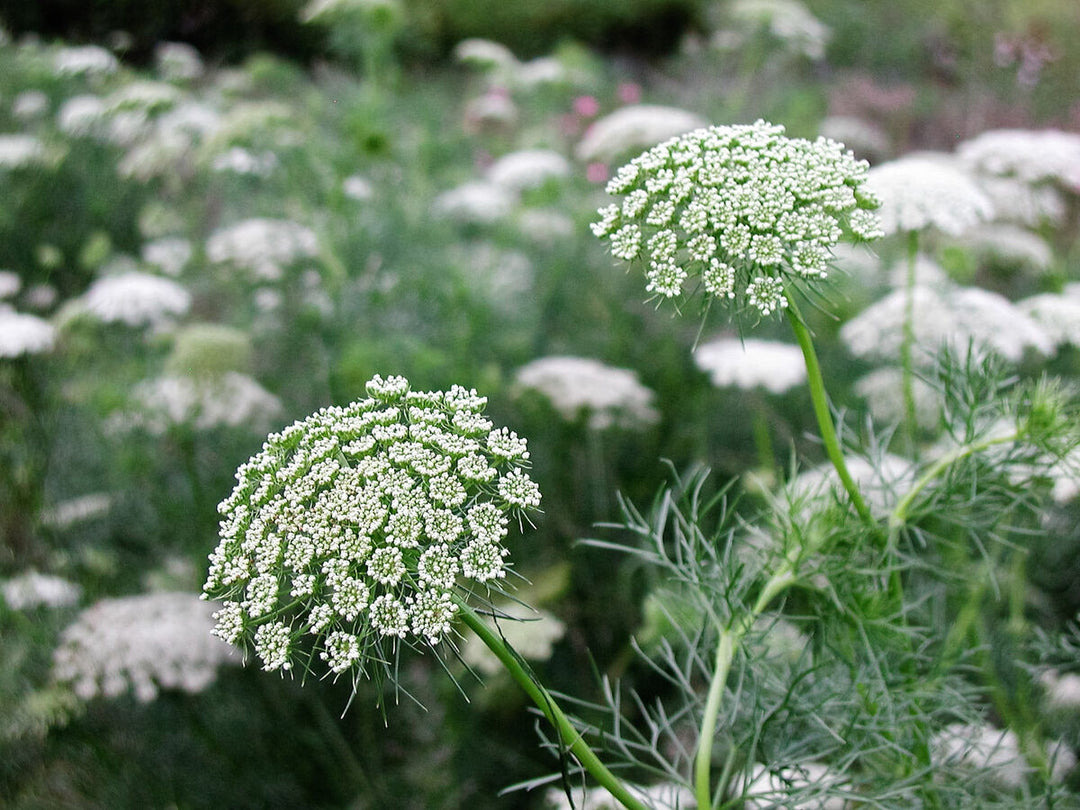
907, 344
568, 735
726, 646
820, 400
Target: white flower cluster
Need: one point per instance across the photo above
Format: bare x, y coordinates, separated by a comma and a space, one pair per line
997, 752
1033, 156
24, 334
136, 299
84, 60
351, 530
744, 207
634, 127
533, 638
31, 589
143, 642
747, 364
577, 386
787, 20
230, 400
765, 789
662, 796
928, 191
20, 151
263, 246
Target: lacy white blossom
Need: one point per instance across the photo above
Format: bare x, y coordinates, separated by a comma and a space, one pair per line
357, 187
10, 284
546, 226
766, 789
177, 61
787, 20
1034, 156
145, 96
634, 127
477, 201
581, 387
883, 390
1059, 315
81, 115
136, 299
485, 54
1001, 242
925, 190
502, 278
1062, 690
145, 643
352, 529
227, 400
527, 168
24, 334
30, 590
743, 209
19, 151
952, 317
776, 367
533, 637
243, 161
265, 247
493, 111
996, 752
170, 254
84, 60
77, 510
1022, 203
30, 104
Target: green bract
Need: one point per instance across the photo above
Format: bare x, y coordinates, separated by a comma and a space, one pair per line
352, 529
743, 207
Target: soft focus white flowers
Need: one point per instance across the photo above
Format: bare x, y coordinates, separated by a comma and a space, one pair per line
924, 190
145, 643
1059, 315
995, 752
228, 400
883, 390
882, 481
24, 334
478, 202
76, 510
635, 127
239, 160
265, 247
84, 60
31, 589
135, 299
1062, 690
10, 284
954, 317
81, 115
177, 61
662, 796
527, 168
787, 20
170, 254
20, 151
1033, 156
776, 367
579, 387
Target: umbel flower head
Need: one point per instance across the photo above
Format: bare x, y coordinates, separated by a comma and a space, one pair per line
743, 209
358, 528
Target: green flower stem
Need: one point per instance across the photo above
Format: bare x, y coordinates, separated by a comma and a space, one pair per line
726, 646
907, 343
900, 514
820, 401
568, 735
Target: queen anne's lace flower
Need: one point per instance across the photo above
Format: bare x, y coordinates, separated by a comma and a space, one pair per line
24, 334
136, 299
746, 364
744, 208
263, 246
928, 191
1033, 156
353, 529
143, 642
579, 386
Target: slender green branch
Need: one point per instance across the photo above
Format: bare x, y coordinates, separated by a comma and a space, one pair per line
726, 646
820, 401
907, 344
568, 735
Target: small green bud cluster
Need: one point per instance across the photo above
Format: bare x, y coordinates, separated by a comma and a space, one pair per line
744, 207
350, 530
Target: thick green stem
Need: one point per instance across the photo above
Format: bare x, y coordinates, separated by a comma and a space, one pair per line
568, 735
820, 400
907, 344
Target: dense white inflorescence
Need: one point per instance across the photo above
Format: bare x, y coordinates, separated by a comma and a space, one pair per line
135, 299
925, 190
231, 399
24, 334
1033, 156
32, 589
527, 168
360, 526
145, 642
581, 387
743, 209
776, 367
264, 247
634, 127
